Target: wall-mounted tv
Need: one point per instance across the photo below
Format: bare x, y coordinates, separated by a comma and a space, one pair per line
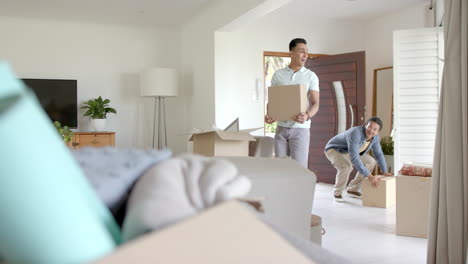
58, 98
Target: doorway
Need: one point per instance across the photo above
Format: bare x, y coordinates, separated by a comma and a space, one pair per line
342, 105
272, 61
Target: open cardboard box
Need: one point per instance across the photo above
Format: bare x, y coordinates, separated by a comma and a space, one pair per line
228, 142
227, 233
286, 101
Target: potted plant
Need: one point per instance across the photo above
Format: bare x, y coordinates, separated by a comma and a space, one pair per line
64, 132
97, 110
386, 143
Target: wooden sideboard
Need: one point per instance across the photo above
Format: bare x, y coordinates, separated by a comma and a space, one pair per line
92, 139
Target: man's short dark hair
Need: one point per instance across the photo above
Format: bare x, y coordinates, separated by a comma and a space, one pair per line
376, 120
296, 41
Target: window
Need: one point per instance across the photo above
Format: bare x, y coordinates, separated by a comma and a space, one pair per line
272, 62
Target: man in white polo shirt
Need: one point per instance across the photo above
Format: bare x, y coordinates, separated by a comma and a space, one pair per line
292, 136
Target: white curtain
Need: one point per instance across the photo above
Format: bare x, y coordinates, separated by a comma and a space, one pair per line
448, 222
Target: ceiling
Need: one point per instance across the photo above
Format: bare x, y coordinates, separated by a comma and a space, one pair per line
161, 13
173, 13
364, 10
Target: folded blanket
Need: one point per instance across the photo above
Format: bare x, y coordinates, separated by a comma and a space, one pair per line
112, 172
178, 188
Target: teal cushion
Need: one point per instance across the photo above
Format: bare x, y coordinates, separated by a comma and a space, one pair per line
49, 212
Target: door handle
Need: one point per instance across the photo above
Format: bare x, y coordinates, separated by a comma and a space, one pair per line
365, 113
352, 115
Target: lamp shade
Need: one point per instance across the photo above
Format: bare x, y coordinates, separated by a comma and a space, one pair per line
158, 82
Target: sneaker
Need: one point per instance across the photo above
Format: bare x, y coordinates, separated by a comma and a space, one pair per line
339, 198
358, 194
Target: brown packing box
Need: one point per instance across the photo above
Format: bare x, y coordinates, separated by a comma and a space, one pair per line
383, 196
221, 143
412, 205
227, 234
286, 101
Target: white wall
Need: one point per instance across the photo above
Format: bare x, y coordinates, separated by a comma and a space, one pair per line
439, 6
198, 58
198, 72
106, 61
379, 40
239, 58
238, 63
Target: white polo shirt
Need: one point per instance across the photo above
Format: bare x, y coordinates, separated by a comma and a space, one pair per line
287, 76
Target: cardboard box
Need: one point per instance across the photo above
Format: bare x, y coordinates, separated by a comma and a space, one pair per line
383, 196
227, 233
412, 205
286, 101
228, 142
221, 143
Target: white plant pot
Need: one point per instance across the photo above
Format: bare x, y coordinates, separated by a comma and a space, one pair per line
389, 161
98, 124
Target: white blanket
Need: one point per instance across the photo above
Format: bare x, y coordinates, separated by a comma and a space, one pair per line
180, 187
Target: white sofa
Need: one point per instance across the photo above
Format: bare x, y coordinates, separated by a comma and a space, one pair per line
286, 190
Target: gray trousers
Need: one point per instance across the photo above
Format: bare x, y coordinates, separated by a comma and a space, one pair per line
293, 142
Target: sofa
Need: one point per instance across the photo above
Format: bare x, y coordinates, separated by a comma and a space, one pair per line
285, 189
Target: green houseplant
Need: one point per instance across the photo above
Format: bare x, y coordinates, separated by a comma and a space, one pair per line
97, 110
387, 145
64, 132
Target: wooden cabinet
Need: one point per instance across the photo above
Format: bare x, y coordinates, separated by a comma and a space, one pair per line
92, 139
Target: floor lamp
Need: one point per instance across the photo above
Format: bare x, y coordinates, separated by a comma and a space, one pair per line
159, 83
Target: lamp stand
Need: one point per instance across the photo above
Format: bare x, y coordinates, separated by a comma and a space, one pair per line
161, 106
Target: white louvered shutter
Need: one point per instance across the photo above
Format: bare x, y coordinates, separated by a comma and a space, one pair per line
418, 63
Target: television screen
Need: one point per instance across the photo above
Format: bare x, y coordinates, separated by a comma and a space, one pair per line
58, 98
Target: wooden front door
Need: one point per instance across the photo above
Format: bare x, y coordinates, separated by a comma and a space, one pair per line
342, 105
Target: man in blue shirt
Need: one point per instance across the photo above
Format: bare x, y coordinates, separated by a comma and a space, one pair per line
292, 136
349, 149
